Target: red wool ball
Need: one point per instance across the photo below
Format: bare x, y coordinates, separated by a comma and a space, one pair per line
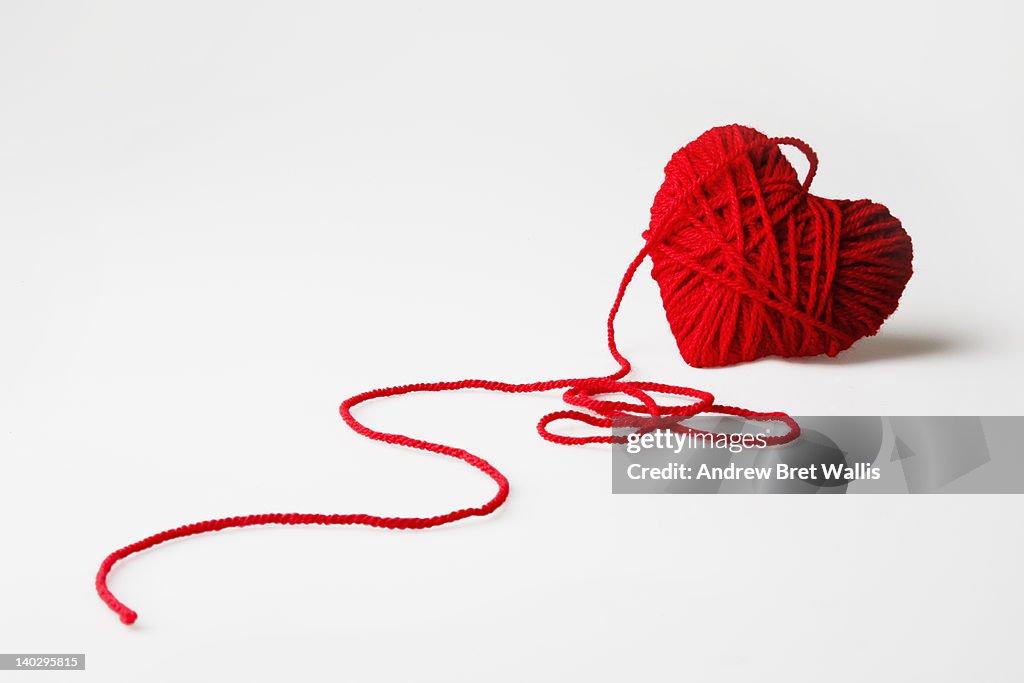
751, 264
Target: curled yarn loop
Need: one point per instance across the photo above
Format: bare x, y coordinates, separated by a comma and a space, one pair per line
749, 264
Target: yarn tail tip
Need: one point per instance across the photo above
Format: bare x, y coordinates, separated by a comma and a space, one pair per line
128, 617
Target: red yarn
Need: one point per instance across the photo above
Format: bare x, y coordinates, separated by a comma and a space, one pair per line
749, 264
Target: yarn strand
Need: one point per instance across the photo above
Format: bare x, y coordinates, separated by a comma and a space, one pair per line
580, 392
749, 264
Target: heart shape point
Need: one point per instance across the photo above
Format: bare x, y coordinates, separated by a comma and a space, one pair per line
751, 264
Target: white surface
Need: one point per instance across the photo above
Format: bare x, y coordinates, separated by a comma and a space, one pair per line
220, 219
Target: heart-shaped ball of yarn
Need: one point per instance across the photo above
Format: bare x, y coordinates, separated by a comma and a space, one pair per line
751, 264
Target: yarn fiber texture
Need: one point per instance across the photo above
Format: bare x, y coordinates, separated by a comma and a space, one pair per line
751, 264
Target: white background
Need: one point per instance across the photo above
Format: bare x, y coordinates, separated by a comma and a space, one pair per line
220, 219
